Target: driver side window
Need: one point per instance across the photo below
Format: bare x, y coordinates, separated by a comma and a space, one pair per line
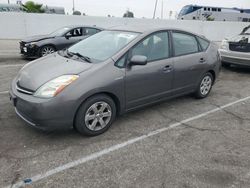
75, 32
154, 47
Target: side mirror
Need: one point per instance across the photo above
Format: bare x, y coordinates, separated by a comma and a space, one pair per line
67, 37
138, 60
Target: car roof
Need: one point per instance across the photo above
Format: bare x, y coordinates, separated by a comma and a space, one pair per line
149, 28
140, 28
91, 26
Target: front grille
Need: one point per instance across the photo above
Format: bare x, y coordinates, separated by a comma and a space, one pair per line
24, 90
239, 47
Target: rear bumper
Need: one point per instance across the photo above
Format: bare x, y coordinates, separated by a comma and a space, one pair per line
44, 114
237, 58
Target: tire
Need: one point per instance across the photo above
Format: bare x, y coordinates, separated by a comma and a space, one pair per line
46, 50
205, 86
95, 115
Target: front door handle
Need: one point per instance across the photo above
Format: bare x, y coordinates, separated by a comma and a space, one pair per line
167, 68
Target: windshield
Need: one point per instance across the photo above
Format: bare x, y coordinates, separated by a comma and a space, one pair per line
185, 10
60, 31
188, 9
103, 45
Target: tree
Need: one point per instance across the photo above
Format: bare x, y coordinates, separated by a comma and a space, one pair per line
128, 14
76, 12
32, 7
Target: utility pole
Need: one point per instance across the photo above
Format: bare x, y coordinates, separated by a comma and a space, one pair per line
162, 9
156, 2
8, 1
73, 6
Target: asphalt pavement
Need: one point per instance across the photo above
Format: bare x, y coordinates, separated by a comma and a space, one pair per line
181, 143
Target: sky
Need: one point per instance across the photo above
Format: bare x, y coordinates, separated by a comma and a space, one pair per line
140, 8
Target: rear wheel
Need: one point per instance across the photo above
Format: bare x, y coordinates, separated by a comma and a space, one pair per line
46, 50
95, 115
205, 86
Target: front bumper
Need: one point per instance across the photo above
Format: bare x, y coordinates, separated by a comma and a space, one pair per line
237, 58
29, 51
44, 114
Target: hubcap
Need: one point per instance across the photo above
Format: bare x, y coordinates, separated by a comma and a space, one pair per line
98, 116
206, 85
47, 50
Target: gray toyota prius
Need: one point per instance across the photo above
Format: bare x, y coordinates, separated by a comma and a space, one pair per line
111, 73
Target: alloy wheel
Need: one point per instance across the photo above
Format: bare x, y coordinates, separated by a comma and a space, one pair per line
206, 85
98, 116
47, 50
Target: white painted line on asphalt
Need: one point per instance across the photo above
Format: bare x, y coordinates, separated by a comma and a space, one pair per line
4, 92
13, 65
113, 148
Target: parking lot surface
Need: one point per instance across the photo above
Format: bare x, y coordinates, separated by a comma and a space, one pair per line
179, 143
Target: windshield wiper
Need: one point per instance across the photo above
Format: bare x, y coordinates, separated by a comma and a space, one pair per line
85, 58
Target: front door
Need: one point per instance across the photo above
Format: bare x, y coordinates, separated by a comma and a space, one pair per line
153, 81
73, 36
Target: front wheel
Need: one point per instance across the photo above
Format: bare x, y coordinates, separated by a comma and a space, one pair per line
46, 50
95, 115
205, 86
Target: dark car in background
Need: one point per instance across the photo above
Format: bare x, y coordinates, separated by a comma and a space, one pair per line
111, 73
42, 45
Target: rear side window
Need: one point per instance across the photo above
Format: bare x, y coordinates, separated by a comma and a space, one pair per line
204, 43
184, 44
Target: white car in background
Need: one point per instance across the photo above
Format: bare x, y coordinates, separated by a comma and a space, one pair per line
236, 50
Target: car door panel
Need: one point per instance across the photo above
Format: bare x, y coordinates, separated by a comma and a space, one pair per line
189, 62
153, 81
71, 38
187, 70
145, 84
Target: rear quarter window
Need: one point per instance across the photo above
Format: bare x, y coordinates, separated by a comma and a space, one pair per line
204, 43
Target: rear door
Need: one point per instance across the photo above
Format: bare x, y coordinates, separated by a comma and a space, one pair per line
189, 61
153, 81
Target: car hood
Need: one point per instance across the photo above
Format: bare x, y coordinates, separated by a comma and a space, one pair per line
35, 74
37, 38
239, 38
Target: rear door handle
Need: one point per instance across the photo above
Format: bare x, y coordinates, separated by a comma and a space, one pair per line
202, 60
167, 68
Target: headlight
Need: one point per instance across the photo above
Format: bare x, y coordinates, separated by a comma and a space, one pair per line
55, 86
31, 44
224, 44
